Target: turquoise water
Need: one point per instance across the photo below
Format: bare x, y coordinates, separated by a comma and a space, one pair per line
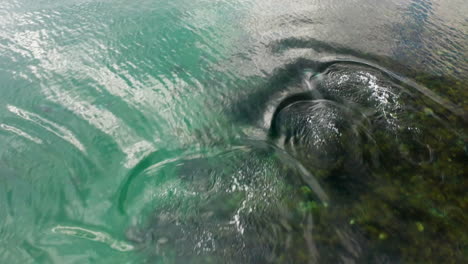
176, 131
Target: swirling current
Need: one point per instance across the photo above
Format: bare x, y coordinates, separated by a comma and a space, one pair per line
226, 131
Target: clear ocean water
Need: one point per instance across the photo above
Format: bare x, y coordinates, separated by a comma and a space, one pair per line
222, 131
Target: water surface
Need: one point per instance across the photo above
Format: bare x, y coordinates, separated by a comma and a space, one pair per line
233, 131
